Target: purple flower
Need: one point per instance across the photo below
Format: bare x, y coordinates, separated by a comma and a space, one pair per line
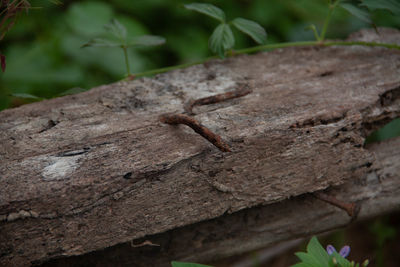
344, 251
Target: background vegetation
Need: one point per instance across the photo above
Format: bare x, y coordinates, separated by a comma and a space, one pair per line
45, 58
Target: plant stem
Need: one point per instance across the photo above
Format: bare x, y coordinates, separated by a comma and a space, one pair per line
275, 46
181, 66
327, 20
314, 30
370, 44
271, 47
126, 60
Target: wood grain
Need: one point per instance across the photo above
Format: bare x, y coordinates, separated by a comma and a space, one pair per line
85, 172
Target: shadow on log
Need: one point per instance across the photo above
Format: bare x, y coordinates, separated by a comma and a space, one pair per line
97, 179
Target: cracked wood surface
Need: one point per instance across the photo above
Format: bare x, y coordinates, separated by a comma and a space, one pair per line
84, 172
377, 193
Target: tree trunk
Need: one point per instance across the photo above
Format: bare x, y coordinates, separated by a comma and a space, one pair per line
98, 170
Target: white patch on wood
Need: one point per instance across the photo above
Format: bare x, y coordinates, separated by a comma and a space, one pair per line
60, 167
99, 127
18, 215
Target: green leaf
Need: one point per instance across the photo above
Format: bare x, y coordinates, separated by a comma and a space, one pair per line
314, 248
357, 12
72, 91
106, 42
392, 5
300, 264
308, 258
146, 40
56, 2
24, 95
207, 9
340, 260
87, 18
104, 59
221, 39
133, 26
117, 29
187, 264
251, 28
314, 30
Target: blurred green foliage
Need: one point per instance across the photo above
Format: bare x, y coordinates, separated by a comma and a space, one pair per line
390, 130
384, 232
44, 57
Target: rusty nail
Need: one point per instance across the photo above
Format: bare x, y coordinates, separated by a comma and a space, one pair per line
239, 92
351, 208
215, 139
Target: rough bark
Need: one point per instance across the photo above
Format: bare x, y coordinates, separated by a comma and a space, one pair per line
85, 172
377, 193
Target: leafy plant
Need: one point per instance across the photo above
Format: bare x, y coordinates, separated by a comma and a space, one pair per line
384, 232
9, 11
118, 38
360, 11
222, 38
44, 49
356, 11
317, 256
392, 6
26, 96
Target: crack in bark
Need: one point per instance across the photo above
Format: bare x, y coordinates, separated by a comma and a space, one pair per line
311, 122
389, 97
50, 124
72, 153
387, 111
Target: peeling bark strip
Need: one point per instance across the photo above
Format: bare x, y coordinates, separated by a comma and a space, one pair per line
239, 92
109, 171
214, 139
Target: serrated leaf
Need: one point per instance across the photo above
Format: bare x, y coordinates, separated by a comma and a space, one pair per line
207, 9
308, 258
221, 39
314, 248
251, 28
146, 40
117, 29
392, 5
187, 264
24, 95
105, 42
357, 12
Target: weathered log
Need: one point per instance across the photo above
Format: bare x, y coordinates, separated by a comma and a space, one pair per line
377, 193
86, 172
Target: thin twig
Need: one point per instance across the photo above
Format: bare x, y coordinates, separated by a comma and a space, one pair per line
215, 139
239, 92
